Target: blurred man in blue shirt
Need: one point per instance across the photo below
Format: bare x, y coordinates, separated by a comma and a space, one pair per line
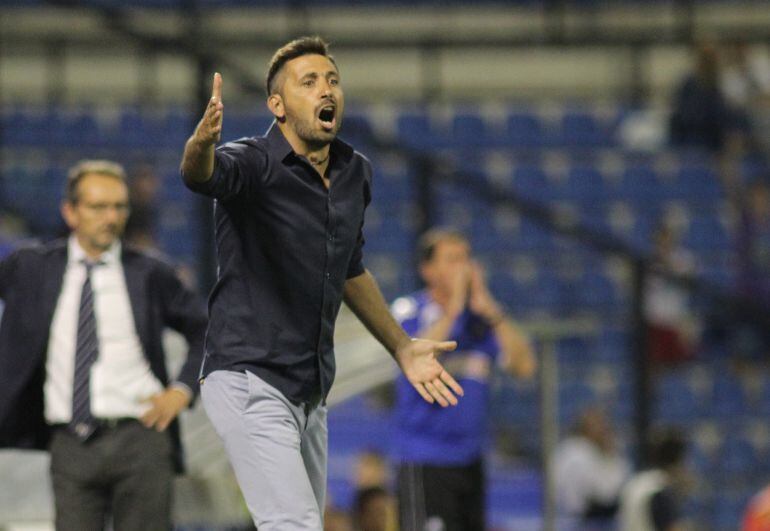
441, 477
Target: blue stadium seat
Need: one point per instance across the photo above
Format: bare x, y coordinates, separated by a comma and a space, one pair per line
729, 400
134, 129
707, 233
515, 403
640, 184
737, 455
68, 130
239, 124
524, 129
728, 508
533, 236
469, 130
357, 129
531, 182
597, 291
388, 235
585, 183
583, 129
176, 127
696, 183
415, 130
30, 128
675, 401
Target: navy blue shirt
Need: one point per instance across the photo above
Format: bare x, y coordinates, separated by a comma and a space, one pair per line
285, 247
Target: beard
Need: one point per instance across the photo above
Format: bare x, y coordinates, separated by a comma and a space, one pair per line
313, 136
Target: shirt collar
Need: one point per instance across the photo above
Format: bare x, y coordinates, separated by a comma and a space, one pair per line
279, 147
77, 255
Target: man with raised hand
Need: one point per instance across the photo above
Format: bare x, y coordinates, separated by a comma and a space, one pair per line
289, 215
441, 472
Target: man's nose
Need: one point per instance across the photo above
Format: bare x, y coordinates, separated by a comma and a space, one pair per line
113, 213
112, 216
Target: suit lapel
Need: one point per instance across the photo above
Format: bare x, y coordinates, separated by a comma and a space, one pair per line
136, 284
52, 283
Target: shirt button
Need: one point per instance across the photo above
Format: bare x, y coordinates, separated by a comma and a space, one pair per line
328, 275
331, 238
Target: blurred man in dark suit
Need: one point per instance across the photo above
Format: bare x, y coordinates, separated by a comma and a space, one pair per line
82, 366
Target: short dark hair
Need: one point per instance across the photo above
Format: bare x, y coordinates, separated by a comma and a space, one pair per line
314, 45
426, 246
87, 167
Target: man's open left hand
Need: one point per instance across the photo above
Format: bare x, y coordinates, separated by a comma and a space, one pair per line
418, 360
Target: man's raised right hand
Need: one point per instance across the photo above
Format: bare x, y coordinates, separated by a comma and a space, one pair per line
209, 129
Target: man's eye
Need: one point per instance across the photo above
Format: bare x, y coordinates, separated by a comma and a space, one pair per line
334, 81
308, 83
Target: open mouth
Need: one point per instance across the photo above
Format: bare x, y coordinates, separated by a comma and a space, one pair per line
327, 116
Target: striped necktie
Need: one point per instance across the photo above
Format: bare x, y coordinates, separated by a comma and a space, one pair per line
83, 423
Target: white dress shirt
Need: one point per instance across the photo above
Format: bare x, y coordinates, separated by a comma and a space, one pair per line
121, 379
585, 474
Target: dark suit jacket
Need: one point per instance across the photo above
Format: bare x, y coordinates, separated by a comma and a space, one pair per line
30, 284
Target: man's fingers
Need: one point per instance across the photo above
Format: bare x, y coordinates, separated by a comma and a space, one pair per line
216, 89
436, 394
446, 393
423, 393
446, 346
213, 112
157, 418
210, 126
451, 382
163, 422
149, 418
213, 118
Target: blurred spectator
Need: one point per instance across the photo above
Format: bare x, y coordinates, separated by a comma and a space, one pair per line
82, 364
371, 470
745, 77
753, 238
671, 329
650, 500
143, 222
441, 475
374, 509
751, 204
753, 246
590, 471
757, 517
746, 85
337, 520
700, 114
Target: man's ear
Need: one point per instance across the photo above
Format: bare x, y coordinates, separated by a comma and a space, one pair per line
275, 104
68, 213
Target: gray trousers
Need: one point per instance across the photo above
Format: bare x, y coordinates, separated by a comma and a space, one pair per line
123, 474
277, 449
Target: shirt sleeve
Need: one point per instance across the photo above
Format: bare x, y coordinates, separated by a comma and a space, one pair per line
239, 168
356, 264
